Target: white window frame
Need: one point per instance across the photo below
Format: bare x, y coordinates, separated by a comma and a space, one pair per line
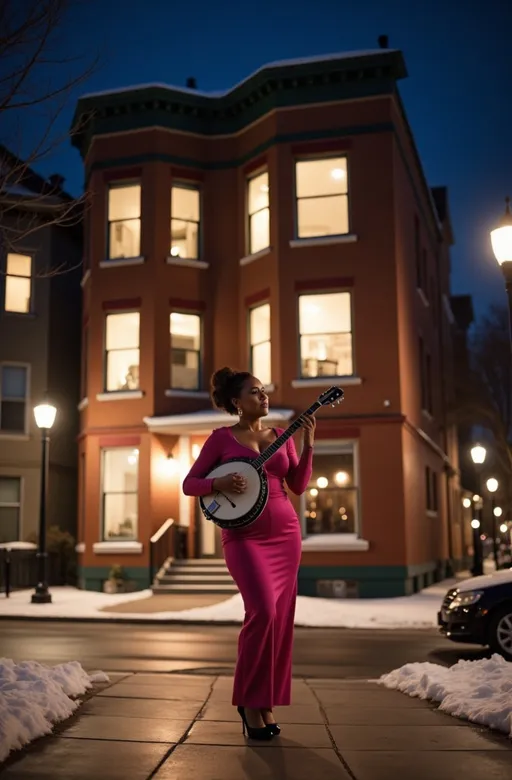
258, 343
188, 185
106, 352
340, 540
19, 505
23, 253
251, 214
4, 434
315, 158
305, 294
199, 351
118, 185
103, 537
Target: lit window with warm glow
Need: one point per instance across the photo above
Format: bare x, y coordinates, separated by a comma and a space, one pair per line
325, 325
18, 284
122, 351
259, 339
119, 492
185, 221
322, 197
10, 509
185, 333
331, 501
258, 208
124, 220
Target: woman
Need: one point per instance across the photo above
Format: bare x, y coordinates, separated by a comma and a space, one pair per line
263, 558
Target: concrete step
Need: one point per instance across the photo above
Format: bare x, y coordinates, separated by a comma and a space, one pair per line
197, 571
184, 579
207, 562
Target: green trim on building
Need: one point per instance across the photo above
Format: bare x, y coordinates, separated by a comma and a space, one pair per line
93, 577
375, 581
345, 77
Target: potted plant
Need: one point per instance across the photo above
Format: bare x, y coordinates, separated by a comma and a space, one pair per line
116, 582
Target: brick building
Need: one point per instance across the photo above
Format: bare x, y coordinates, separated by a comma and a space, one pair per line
285, 225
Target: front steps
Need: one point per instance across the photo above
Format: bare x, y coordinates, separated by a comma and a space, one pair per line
194, 575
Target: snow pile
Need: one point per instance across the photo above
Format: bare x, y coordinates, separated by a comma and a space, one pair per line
479, 691
33, 697
417, 611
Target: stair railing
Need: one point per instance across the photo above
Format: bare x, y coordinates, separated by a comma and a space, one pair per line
161, 547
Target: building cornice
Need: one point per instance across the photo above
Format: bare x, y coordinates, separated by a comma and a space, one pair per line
280, 85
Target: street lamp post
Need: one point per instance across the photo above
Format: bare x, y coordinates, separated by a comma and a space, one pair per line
45, 417
492, 487
501, 240
478, 454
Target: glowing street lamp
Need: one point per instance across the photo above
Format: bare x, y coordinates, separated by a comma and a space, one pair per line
492, 486
478, 455
45, 417
501, 241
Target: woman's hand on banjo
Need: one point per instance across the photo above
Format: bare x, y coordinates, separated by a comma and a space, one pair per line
231, 483
309, 426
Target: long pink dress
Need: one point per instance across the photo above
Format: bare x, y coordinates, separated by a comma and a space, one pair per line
263, 560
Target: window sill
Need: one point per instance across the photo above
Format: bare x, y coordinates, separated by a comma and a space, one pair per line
327, 381
328, 542
85, 278
248, 259
117, 548
80, 548
186, 394
120, 261
121, 395
187, 262
423, 297
22, 315
14, 436
346, 238
84, 403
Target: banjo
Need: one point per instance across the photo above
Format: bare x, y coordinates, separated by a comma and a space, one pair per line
233, 510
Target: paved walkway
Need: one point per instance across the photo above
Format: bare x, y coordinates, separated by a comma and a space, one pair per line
174, 727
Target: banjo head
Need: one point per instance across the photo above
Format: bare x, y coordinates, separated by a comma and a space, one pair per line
236, 510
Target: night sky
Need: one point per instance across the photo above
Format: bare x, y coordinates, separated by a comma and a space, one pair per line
458, 95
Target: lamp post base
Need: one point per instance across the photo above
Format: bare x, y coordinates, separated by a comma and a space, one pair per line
42, 595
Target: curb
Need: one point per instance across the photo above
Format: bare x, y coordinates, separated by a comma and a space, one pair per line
128, 621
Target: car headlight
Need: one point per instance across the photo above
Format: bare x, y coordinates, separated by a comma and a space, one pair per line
466, 599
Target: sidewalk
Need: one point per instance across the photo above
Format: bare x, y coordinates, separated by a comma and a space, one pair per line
173, 727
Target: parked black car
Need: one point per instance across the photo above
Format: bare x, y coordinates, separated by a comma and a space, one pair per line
479, 610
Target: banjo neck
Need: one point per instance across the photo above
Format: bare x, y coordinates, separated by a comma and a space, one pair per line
273, 448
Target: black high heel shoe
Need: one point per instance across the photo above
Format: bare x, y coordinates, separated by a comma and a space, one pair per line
253, 733
274, 728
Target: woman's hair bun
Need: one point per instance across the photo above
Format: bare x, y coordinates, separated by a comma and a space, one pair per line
226, 384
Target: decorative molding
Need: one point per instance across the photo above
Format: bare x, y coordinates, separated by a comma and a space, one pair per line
248, 259
346, 238
330, 283
186, 262
327, 381
122, 304
117, 262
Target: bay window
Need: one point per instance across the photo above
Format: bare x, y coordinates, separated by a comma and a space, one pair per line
259, 340
122, 351
325, 326
322, 197
258, 212
124, 218
119, 492
185, 221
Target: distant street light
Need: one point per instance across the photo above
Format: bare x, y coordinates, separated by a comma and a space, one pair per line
492, 486
498, 511
501, 240
478, 455
503, 528
45, 417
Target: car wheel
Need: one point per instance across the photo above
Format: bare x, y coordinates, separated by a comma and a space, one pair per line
500, 632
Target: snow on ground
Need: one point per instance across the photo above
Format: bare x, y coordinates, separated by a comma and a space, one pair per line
418, 611
34, 697
479, 691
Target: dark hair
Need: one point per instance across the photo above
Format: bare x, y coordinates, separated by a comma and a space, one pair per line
226, 384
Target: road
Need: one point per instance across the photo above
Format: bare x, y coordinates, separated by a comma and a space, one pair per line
332, 653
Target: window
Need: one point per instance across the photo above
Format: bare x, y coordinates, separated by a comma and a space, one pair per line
120, 494
122, 351
332, 497
325, 334
322, 197
259, 339
13, 399
10, 509
185, 222
258, 212
18, 284
425, 377
431, 489
124, 220
185, 330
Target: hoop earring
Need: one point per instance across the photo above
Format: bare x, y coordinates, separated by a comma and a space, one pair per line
239, 412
